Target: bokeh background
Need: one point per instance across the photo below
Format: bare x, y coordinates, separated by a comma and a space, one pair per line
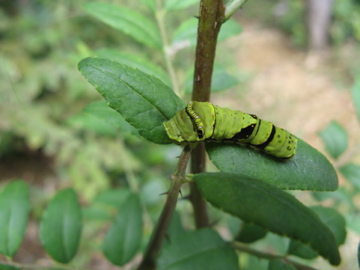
279, 64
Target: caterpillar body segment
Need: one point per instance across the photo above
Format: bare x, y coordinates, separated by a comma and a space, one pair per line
202, 121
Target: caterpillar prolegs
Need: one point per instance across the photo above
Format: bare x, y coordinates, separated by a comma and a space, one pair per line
202, 121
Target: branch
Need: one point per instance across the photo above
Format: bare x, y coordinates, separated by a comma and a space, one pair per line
169, 65
159, 233
198, 159
210, 21
259, 254
232, 7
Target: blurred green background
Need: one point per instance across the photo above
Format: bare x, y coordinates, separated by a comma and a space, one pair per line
53, 135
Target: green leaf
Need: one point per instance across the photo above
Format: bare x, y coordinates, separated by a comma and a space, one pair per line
8, 267
234, 225
277, 264
60, 227
150, 4
250, 233
301, 250
108, 116
352, 173
179, 4
229, 29
221, 79
333, 220
353, 222
95, 212
342, 194
251, 262
143, 100
114, 197
258, 202
335, 139
355, 93
186, 33
123, 239
198, 250
176, 228
127, 21
14, 213
90, 122
135, 61
307, 170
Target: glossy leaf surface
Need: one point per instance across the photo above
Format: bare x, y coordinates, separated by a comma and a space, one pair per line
127, 21
307, 170
258, 202
14, 212
352, 173
335, 139
250, 233
198, 250
333, 220
139, 97
136, 61
123, 239
61, 226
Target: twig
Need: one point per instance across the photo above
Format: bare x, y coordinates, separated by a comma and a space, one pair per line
259, 254
210, 21
232, 7
198, 203
154, 246
160, 21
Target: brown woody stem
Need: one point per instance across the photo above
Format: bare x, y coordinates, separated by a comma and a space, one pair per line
210, 21
259, 254
159, 233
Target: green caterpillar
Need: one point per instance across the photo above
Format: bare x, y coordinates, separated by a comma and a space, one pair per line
202, 121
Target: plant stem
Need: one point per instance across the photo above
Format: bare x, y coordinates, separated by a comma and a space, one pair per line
232, 7
154, 246
210, 21
160, 21
259, 254
198, 160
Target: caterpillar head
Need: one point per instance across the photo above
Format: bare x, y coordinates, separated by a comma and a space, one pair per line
192, 124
